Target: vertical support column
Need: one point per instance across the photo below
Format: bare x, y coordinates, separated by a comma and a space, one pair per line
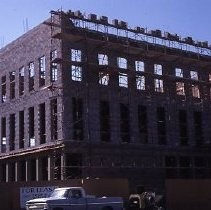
38, 170
50, 168
7, 172
16, 172
63, 164
28, 175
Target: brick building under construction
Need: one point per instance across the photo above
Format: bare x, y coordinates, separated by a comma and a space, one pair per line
85, 98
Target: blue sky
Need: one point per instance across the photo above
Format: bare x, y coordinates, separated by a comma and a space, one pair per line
184, 17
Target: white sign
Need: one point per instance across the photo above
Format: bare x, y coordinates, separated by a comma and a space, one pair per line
28, 193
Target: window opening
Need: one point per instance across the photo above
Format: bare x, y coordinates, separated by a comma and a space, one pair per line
159, 85
140, 82
122, 63
161, 125
179, 72
194, 75
158, 69
123, 80
3, 89
103, 78
180, 88
31, 76
76, 73
12, 132
42, 71
143, 124
54, 119
195, 91
183, 128
104, 121
198, 128
21, 129
21, 81
42, 126
139, 65
12, 85
76, 55
54, 66
124, 123
3, 135
31, 127
102, 59
78, 133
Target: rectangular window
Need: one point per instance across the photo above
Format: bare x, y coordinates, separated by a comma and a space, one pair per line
104, 121
12, 85
77, 113
139, 65
102, 59
195, 91
183, 128
124, 123
21, 129
161, 125
158, 69
3, 89
54, 66
76, 55
184, 164
21, 81
171, 164
31, 127
42, 127
12, 132
178, 72
76, 73
3, 134
123, 80
198, 128
42, 71
194, 75
103, 78
140, 82
54, 119
143, 124
31, 76
180, 88
122, 63
159, 85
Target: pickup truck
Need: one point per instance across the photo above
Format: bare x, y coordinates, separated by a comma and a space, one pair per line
74, 198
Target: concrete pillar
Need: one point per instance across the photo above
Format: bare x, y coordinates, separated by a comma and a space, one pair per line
50, 168
38, 170
28, 175
63, 164
16, 171
7, 172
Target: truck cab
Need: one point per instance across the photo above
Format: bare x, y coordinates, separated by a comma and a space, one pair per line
74, 198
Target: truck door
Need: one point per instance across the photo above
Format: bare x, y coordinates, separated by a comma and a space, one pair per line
77, 201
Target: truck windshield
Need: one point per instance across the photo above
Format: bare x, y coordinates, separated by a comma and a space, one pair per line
59, 193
